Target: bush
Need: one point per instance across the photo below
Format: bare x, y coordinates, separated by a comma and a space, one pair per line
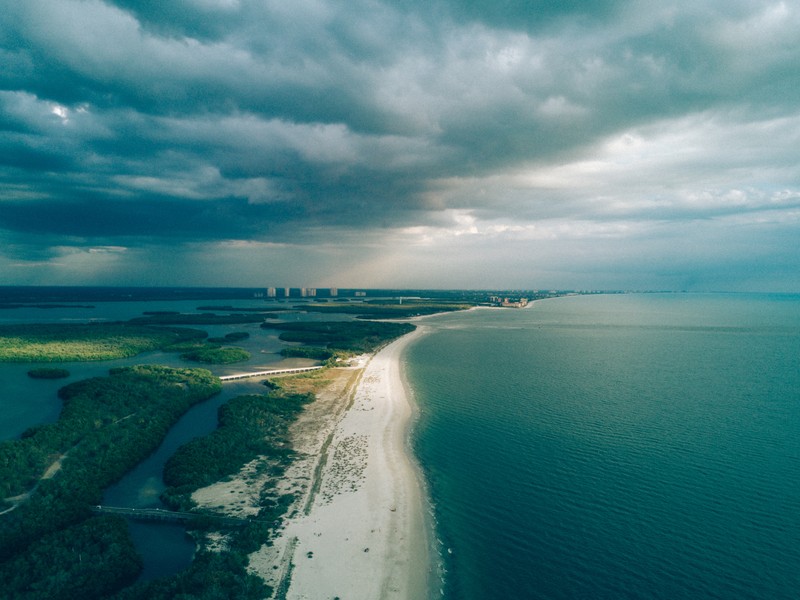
312, 352
48, 373
107, 425
249, 426
58, 342
353, 336
216, 356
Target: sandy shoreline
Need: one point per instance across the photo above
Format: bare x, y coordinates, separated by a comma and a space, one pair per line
361, 527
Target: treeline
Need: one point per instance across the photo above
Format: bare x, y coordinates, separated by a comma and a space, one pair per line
45, 306
193, 319
211, 576
249, 426
250, 309
229, 338
59, 342
48, 373
106, 561
107, 426
312, 352
351, 336
382, 310
215, 355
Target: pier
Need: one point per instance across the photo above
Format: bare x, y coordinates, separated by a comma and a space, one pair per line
268, 373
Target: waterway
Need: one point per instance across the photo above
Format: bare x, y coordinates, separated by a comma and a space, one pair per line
25, 402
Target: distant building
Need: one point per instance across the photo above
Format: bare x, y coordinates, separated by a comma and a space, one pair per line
334, 292
287, 292
311, 292
272, 292
360, 294
508, 303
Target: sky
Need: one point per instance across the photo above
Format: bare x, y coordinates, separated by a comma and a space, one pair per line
533, 144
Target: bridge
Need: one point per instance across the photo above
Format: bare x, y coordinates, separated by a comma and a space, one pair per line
166, 516
268, 373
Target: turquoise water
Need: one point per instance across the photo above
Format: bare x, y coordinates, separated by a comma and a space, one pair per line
631, 446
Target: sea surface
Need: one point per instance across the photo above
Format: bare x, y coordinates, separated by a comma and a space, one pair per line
638, 446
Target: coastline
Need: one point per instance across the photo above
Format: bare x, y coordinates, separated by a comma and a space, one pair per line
364, 529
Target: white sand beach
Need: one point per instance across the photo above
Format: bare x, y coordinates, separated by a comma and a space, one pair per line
360, 531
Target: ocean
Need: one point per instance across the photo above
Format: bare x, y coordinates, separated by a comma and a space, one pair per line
636, 446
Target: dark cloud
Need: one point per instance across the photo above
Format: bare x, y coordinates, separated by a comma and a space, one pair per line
394, 129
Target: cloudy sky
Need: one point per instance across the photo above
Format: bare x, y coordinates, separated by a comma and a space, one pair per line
645, 144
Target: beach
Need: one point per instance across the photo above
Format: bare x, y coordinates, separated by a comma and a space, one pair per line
359, 527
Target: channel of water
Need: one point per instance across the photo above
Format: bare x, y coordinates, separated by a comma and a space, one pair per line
24, 402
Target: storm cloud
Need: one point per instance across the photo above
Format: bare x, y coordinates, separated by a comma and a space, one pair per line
442, 143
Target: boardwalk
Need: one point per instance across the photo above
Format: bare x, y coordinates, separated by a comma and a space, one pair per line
165, 516
267, 373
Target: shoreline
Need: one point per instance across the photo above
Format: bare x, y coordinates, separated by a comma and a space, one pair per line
364, 528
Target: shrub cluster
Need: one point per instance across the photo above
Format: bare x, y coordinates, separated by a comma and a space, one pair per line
382, 310
59, 342
352, 336
107, 561
48, 373
249, 426
312, 352
215, 355
196, 319
230, 338
107, 425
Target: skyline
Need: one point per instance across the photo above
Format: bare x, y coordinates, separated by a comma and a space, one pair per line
444, 144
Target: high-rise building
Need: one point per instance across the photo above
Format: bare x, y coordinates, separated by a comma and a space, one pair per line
334, 292
271, 292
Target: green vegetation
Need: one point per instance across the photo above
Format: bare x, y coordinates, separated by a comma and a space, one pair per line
312, 352
215, 355
54, 472
84, 342
88, 560
230, 338
211, 576
48, 373
192, 319
249, 426
44, 306
351, 336
184, 346
251, 309
384, 310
